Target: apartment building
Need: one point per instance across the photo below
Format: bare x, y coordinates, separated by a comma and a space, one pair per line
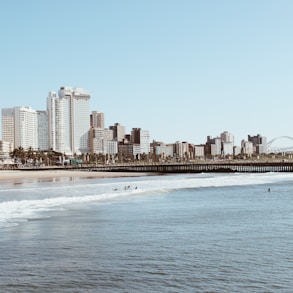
142, 138
43, 134
69, 120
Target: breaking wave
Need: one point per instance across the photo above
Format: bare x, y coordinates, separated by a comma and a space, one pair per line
23, 203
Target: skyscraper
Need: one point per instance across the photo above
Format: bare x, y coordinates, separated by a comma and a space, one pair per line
20, 127
97, 119
52, 124
7, 116
43, 135
69, 120
141, 137
26, 128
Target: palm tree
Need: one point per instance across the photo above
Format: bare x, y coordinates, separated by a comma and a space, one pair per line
30, 154
18, 153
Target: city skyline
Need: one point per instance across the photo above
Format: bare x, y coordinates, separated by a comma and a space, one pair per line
70, 128
77, 100
181, 70
68, 125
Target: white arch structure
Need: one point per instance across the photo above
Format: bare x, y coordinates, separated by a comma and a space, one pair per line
271, 149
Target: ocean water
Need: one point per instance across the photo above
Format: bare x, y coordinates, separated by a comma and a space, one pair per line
179, 233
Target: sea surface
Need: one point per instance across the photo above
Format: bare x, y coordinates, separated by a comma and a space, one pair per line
179, 233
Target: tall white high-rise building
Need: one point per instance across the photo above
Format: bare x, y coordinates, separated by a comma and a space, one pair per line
26, 128
69, 120
52, 125
7, 117
20, 127
43, 135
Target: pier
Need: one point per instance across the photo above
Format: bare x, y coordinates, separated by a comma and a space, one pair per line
225, 167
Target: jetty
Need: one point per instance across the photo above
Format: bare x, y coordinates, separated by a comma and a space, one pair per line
222, 167
164, 168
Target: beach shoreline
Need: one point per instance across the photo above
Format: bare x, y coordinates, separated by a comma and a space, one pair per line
12, 175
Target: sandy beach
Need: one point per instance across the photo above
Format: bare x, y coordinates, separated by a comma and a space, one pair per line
11, 175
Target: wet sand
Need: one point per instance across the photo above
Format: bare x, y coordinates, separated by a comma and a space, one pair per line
11, 175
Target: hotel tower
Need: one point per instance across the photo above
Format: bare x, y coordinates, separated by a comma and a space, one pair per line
69, 120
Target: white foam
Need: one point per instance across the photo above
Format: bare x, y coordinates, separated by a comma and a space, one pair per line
30, 203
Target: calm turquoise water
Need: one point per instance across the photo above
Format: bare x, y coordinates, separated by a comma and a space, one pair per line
184, 233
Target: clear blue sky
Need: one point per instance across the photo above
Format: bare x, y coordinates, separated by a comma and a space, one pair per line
180, 69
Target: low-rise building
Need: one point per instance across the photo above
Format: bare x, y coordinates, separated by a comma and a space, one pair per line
199, 151
246, 147
227, 149
5, 147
